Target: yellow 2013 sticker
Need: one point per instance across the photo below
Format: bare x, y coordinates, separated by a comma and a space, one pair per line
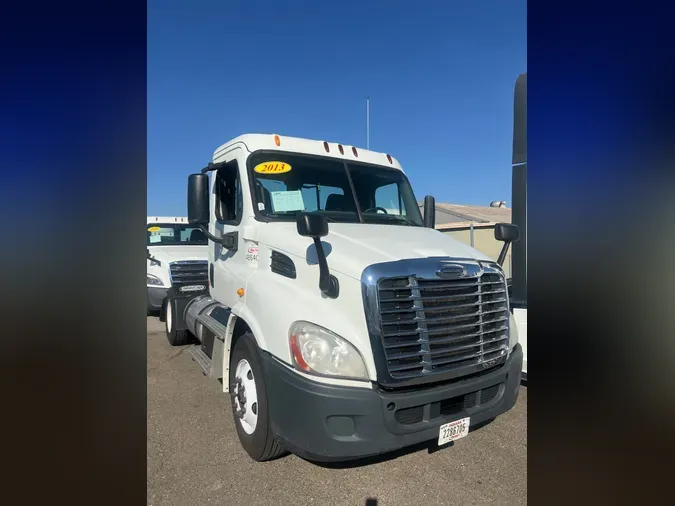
154, 229
272, 168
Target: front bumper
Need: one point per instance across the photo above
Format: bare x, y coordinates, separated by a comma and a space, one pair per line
331, 423
156, 296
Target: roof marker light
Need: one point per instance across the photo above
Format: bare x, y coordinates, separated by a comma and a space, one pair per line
325, 146
277, 141
356, 153
342, 151
390, 160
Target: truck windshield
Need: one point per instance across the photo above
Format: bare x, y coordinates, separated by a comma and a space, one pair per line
175, 234
284, 184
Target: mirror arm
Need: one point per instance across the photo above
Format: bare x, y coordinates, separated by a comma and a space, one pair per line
327, 282
228, 241
152, 259
210, 236
502, 254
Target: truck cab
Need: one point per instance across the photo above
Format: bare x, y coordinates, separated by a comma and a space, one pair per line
341, 323
176, 258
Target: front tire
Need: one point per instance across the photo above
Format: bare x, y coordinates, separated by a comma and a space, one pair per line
248, 393
175, 337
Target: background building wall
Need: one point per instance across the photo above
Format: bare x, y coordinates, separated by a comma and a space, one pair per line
484, 241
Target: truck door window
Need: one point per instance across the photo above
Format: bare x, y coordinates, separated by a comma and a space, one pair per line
229, 203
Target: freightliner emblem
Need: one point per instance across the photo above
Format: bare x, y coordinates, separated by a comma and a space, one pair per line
449, 271
192, 288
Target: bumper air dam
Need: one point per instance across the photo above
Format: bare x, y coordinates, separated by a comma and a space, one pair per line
335, 423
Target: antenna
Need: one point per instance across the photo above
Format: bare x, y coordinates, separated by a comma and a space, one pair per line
367, 122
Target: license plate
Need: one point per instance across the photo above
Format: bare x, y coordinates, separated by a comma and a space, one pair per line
453, 430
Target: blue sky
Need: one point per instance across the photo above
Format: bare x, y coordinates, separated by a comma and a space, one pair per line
440, 77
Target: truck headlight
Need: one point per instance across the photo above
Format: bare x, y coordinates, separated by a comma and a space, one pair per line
154, 280
320, 351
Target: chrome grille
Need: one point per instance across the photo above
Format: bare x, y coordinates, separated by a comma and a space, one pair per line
189, 273
430, 326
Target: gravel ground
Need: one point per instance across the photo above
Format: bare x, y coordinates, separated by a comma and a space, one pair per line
194, 456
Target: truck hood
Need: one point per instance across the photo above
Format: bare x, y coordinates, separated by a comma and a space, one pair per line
351, 247
175, 253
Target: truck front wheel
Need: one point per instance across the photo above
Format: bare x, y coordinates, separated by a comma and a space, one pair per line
248, 392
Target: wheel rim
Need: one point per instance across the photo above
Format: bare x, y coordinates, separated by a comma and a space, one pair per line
168, 318
245, 396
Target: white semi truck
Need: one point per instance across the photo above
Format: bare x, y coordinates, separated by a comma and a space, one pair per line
177, 259
341, 323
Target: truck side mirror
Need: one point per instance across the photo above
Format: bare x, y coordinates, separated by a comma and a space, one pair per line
198, 199
315, 225
312, 225
429, 212
198, 211
507, 233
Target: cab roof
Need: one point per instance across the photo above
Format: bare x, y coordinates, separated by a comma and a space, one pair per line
256, 142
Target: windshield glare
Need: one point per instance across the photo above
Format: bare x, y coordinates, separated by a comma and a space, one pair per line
285, 184
170, 234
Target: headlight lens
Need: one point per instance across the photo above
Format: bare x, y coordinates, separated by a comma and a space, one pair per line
320, 351
154, 280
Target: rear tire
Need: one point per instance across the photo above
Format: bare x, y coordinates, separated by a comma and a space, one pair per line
254, 426
175, 337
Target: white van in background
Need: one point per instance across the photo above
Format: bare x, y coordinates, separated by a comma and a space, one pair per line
177, 258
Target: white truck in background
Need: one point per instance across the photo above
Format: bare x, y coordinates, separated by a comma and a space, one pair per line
177, 257
341, 323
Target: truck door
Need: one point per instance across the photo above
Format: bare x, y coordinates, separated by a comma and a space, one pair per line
227, 264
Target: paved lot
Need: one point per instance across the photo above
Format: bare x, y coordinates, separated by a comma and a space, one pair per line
194, 456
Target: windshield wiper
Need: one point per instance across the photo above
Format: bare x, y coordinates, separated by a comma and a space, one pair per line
408, 222
387, 219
